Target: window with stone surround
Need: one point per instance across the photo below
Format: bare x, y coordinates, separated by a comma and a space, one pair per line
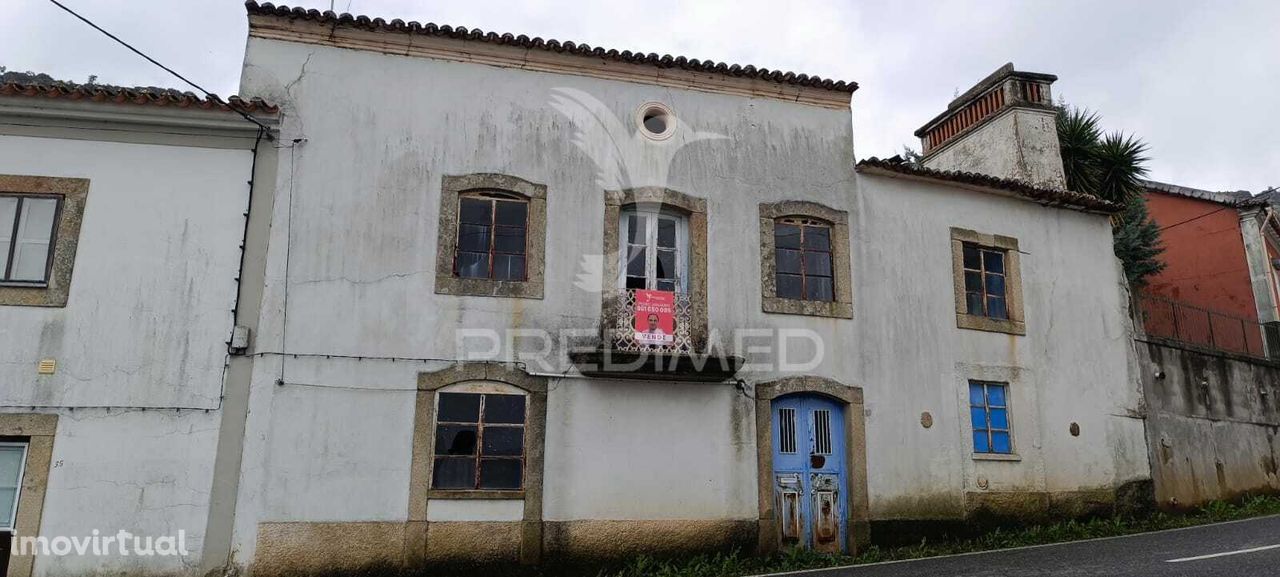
492, 236
39, 231
479, 441
804, 259
987, 281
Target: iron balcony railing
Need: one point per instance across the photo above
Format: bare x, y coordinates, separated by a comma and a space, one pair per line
1200, 327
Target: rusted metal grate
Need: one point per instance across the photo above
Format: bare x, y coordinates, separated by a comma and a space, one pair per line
1200, 327
623, 338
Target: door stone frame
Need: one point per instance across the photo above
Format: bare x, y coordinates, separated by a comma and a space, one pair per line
857, 517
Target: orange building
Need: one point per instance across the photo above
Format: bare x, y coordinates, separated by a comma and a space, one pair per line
1220, 253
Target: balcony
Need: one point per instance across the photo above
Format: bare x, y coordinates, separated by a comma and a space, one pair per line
654, 335
1189, 325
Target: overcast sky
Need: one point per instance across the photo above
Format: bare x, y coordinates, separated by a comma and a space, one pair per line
1199, 81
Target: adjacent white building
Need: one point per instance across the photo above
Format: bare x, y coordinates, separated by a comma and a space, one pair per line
122, 214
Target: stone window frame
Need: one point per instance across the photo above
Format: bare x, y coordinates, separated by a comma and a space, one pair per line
842, 285
38, 429
423, 457
858, 517
451, 188
1015, 324
73, 193
695, 211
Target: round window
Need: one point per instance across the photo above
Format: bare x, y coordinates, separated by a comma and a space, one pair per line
656, 120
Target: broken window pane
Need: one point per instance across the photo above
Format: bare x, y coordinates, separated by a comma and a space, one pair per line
507, 409
635, 282
473, 264
666, 285
456, 440
458, 408
503, 442
453, 473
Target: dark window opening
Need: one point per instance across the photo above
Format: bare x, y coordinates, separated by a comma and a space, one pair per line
479, 442
803, 268
492, 237
984, 282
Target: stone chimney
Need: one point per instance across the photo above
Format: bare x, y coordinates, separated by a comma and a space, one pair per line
1005, 126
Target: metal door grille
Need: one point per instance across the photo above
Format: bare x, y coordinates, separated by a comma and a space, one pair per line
787, 430
822, 432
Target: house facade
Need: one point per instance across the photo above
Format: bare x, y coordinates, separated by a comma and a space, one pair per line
122, 214
1219, 288
531, 301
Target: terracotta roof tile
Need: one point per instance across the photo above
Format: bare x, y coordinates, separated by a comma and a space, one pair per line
39, 86
550, 45
1047, 196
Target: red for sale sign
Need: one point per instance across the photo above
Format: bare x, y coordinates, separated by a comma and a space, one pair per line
655, 320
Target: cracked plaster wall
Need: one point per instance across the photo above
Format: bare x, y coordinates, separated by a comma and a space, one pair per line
146, 323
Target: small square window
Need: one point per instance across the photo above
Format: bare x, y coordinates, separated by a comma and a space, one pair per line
479, 441
988, 285
989, 417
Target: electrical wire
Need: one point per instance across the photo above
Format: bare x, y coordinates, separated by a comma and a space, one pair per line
208, 94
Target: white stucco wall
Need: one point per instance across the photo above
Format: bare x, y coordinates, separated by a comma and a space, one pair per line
1018, 143
145, 325
355, 230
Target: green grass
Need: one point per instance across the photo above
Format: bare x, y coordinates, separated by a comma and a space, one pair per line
736, 564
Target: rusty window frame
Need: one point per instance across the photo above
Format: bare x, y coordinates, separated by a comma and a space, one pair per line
983, 290
479, 457
7, 271
493, 197
805, 225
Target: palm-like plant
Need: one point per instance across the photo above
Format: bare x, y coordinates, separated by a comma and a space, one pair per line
1111, 166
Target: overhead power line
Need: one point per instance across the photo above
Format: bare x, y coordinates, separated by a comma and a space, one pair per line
208, 94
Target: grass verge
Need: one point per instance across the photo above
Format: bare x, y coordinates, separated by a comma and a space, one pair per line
736, 564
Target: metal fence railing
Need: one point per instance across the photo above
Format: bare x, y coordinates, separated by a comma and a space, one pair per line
1200, 327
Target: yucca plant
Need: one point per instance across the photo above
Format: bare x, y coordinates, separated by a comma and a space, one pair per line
1111, 166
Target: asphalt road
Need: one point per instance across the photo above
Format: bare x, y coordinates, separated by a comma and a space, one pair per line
1236, 549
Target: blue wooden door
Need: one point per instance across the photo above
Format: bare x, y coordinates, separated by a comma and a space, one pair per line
809, 472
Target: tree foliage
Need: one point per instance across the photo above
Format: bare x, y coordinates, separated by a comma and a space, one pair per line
1111, 166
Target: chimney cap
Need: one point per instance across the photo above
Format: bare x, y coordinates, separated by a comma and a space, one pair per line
992, 80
